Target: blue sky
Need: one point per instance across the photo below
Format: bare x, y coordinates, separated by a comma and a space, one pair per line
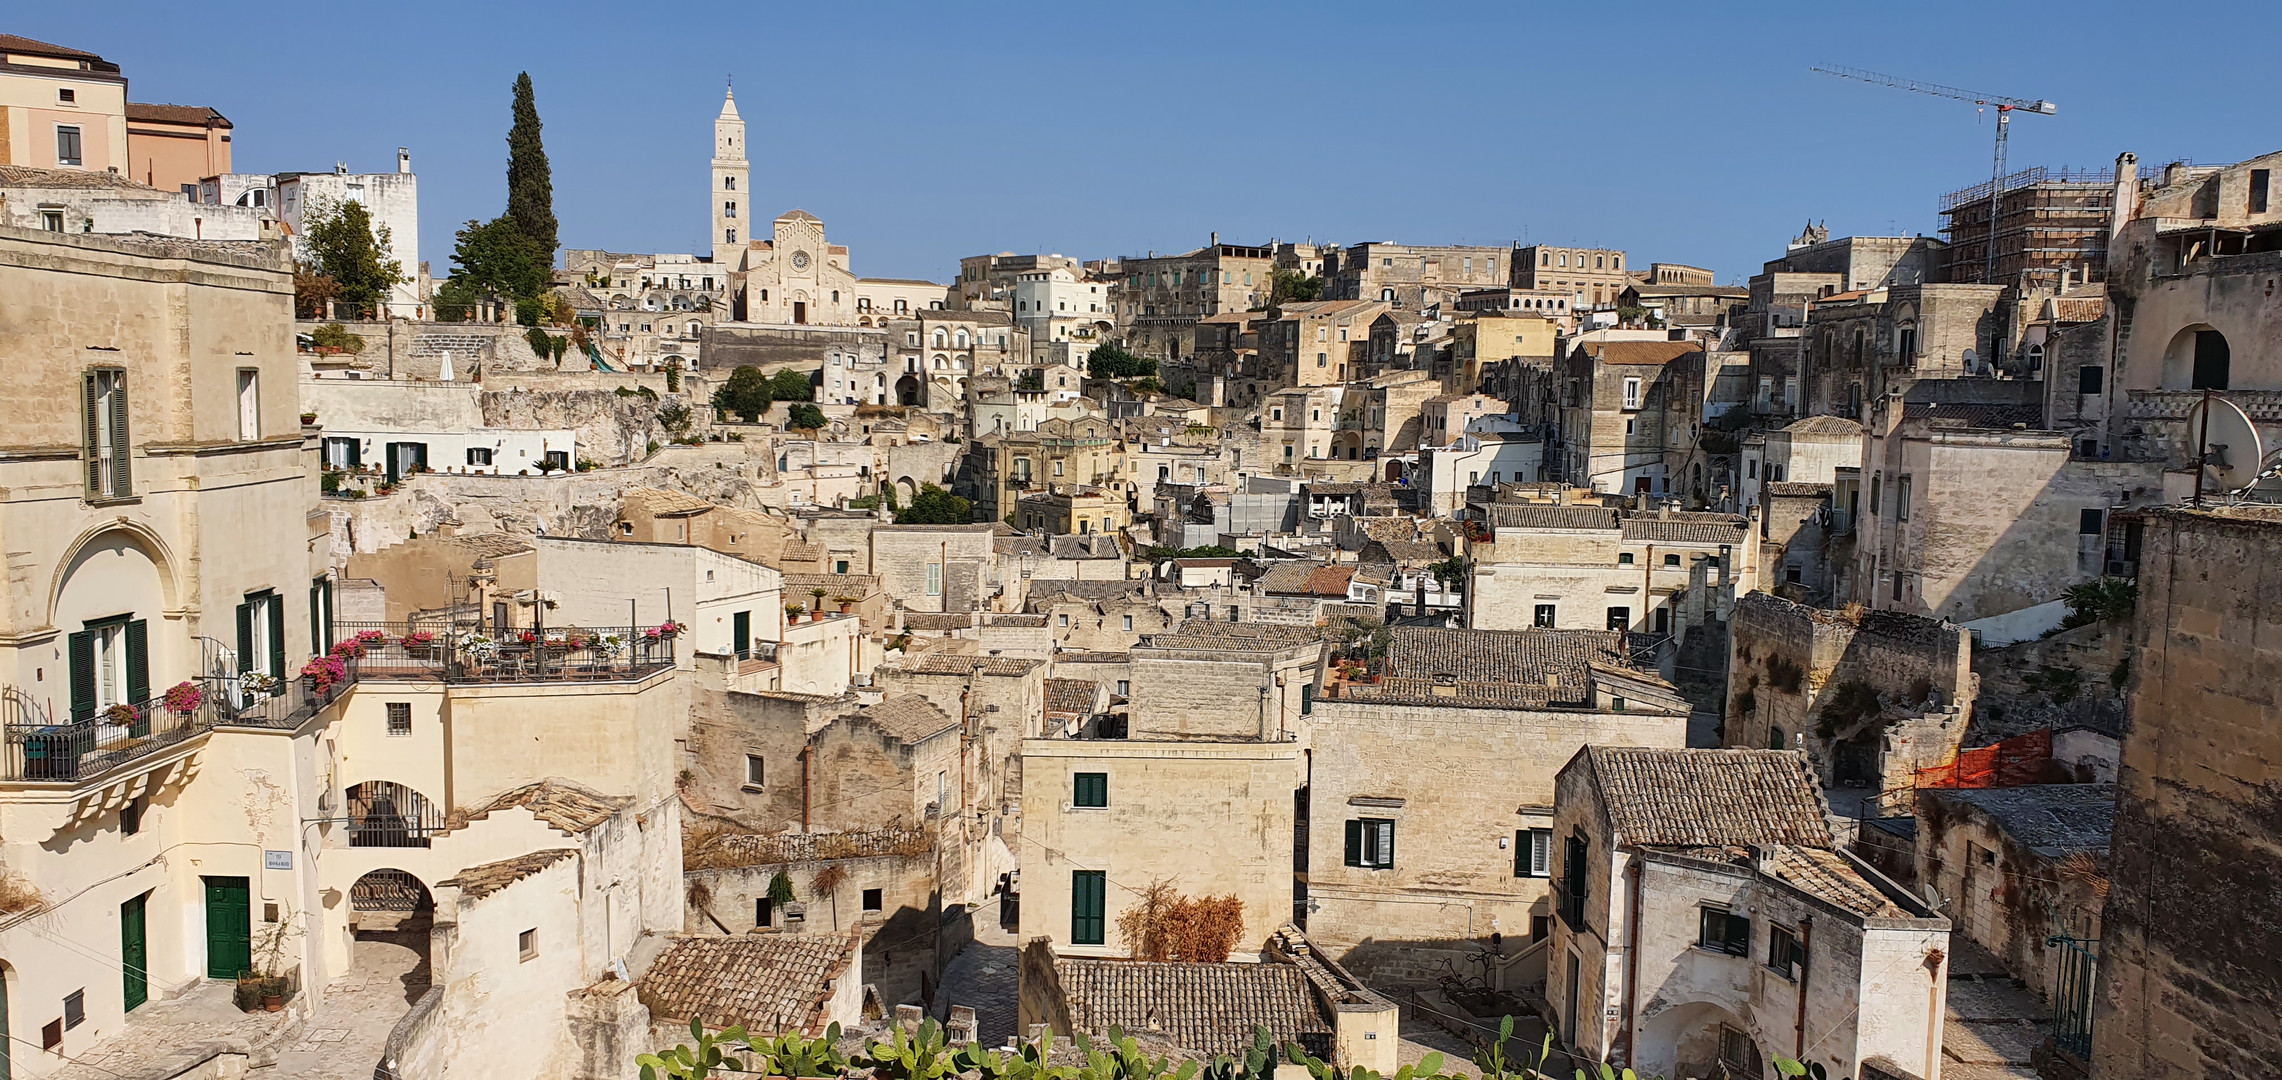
919, 133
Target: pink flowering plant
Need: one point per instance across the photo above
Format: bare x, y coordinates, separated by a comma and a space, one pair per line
123, 713
419, 639
666, 629
183, 697
323, 671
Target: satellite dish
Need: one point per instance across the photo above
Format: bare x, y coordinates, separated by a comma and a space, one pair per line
2231, 452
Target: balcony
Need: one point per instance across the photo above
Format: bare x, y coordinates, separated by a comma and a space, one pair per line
37, 747
475, 654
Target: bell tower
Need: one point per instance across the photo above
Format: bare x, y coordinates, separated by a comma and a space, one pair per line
732, 200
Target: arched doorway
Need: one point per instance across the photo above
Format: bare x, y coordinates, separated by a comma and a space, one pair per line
2198, 358
1701, 1039
384, 813
391, 915
907, 390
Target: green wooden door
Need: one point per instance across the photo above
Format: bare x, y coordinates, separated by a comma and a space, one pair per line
7, 1045
134, 952
229, 928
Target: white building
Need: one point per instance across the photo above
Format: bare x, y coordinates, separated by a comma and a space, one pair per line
392, 198
397, 427
1706, 922
1494, 450
1807, 451
1060, 305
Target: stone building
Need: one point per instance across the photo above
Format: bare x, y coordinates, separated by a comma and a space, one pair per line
80, 201
391, 198
1870, 697
1590, 567
987, 282
1447, 849
1409, 277
1703, 305
1861, 346
1632, 415
1814, 266
2185, 979
1158, 299
1317, 342
2050, 223
1811, 450
1544, 268
1707, 922
999, 470
2016, 866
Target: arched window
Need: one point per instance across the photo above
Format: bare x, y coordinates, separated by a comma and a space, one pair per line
1387, 295
729, 236
940, 337
835, 296
962, 339
729, 209
2036, 356
728, 183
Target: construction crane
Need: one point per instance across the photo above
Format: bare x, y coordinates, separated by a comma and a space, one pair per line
2004, 106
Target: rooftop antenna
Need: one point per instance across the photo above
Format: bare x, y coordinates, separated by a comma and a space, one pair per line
2004, 106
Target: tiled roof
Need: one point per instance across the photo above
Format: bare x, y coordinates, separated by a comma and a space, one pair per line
771, 849
1648, 353
14, 43
477, 882
1074, 697
1688, 529
1975, 414
1049, 591
908, 717
937, 621
1015, 620
2051, 819
841, 584
1543, 516
1826, 873
196, 115
97, 179
1208, 1008
1208, 634
1793, 489
564, 806
1400, 551
1823, 425
1707, 798
937, 663
662, 501
769, 983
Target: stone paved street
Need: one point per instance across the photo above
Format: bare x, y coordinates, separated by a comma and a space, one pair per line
175, 1034
344, 1040
983, 977
1992, 1025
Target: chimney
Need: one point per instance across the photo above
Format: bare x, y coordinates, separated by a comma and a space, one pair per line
2127, 196
340, 168
403, 160
1216, 238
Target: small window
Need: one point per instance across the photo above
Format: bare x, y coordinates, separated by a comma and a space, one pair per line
67, 151
131, 817
2261, 181
399, 718
51, 1035
74, 1009
479, 455
527, 944
1902, 499
2088, 522
1725, 932
756, 770
1065, 617
1129, 622
1124, 688
873, 901
1090, 789
1620, 619
1671, 559
1631, 392
764, 912
1785, 956
1532, 852
65, 95
1624, 558
1088, 903
2090, 378
1544, 616
249, 404
1371, 843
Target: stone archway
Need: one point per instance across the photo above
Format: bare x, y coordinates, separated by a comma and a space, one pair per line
2197, 358
907, 391
1698, 1038
391, 922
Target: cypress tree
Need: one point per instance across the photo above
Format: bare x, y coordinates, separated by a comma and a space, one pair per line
530, 183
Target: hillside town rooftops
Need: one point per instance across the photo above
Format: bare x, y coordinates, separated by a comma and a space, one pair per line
1710, 798
768, 983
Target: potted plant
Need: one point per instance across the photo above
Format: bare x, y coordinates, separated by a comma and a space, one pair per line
322, 672
817, 594
308, 419
268, 984
183, 698
847, 603
793, 612
129, 717
419, 644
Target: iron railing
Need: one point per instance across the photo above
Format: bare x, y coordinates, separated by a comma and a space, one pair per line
37, 747
492, 655
2072, 993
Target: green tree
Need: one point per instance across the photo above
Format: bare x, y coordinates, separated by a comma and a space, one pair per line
1111, 362
491, 259
746, 393
1291, 286
342, 244
530, 181
801, 414
935, 506
791, 385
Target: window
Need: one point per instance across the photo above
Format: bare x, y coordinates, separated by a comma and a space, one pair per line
1620, 619
728, 183
1545, 616
400, 718
1129, 622
1902, 499
1090, 789
105, 429
74, 1009
873, 901
934, 579
67, 145
131, 817
1876, 481
1574, 887
1624, 558
1785, 956
51, 220
1086, 906
68, 96
110, 665
249, 404
1724, 932
1908, 347
527, 944
1307, 699
764, 912
943, 789
729, 209
730, 236
1532, 852
2088, 522
1631, 392
756, 770
1124, 688
1671, 559
1738, 1053
479, 455
2261, 180
2089, 378
1371, 843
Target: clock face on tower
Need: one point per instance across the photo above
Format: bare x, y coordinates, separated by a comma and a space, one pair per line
800, 260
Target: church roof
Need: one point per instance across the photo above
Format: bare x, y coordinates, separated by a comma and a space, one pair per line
800, 215
729, 106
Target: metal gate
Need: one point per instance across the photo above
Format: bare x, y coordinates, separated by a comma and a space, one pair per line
2072, 992
388, 890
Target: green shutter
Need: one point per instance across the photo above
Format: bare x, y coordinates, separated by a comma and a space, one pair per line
83, 675
92, 426
134, 952
138, 661
1307, 700
1087, 921
1354, 843
1521, 853
246, 637
122, 484
277, 635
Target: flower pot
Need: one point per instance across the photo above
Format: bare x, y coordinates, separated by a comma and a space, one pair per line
846, 608
273, 1002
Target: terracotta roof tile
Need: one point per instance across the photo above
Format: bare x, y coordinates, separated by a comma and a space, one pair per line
1208, 1008
1543, 516
1710, 797
770, 983
1071, 697
1687, 529
477, 882
908, 717
938, 663
1646, 353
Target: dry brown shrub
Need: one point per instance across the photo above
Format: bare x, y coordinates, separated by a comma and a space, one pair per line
828, 879
17, 895
1164, 925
